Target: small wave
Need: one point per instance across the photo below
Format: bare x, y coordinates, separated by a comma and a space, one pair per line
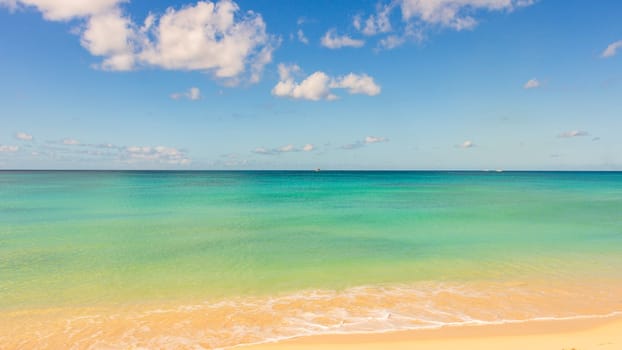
437, 326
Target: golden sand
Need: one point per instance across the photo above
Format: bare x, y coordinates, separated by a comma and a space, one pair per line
584, 334
250, 320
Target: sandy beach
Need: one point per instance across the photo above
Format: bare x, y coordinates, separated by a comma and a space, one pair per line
579, 334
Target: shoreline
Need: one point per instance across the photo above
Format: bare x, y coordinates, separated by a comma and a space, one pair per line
580, 333
445, 315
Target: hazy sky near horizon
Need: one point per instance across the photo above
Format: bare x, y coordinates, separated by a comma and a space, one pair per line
275, 84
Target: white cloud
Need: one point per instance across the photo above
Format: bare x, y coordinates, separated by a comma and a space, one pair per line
8, 149
283, 149
467, 144
532, 84
315, 87
573, 133
111, 35
357, 22
63, 10
10, 4
318, 85
23, 136
377, 23
286, 148
375, 139
208, 36
333, 41
357, 84
391, 42
262, 150
455, 14
368, 140
71, 142
192, 94
158, 154
72, 150
301, 37
419, 15
612, 49
411, 32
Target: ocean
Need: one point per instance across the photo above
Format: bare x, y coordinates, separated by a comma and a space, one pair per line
217, 259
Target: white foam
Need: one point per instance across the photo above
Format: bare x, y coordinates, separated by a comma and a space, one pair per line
436, 325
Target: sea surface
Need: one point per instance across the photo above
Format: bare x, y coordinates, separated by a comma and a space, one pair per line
202, 260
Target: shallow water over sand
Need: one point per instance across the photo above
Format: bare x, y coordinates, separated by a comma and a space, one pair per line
214, 259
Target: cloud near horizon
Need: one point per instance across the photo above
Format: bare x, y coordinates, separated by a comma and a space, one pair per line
8, 149
283, 149
573, 133
70, 149
23, 136
71, 142
466, 144
368, 140
158, 154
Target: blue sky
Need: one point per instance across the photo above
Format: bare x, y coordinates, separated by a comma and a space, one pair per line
274, 84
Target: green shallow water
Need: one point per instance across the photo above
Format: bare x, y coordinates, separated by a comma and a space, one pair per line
84, 238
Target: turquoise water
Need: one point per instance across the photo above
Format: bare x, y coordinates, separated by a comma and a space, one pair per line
104, 238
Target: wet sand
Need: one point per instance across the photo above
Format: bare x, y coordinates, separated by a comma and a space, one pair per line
579, 334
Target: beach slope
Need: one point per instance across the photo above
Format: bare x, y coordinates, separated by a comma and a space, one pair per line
583, 334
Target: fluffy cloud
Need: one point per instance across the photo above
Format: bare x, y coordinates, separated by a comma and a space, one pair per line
467, 144
23, 136
283, 149
193, 94
455, 14
63, 10
315, 87
318, 85
612, 49
208, 36
368, 140
357, 84
333, 41
301, 37
532, 84
573, 133
8, 149
113, 36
